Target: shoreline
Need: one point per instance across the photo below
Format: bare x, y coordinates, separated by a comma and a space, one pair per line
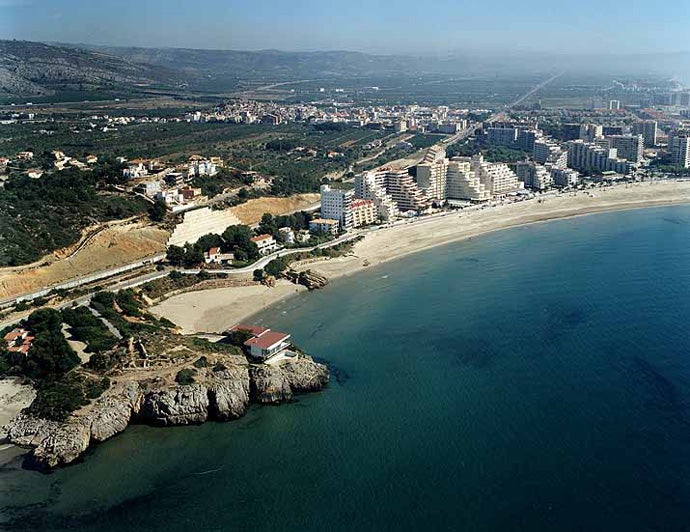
221, 308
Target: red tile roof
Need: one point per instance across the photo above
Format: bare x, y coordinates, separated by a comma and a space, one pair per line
260, 238
267, 339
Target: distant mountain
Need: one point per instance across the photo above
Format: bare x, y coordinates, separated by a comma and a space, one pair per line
38, 69
31, 68
222, 69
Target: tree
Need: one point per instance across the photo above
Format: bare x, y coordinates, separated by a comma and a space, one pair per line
157, 211
276, 267
258, 274
175, 255
268, 224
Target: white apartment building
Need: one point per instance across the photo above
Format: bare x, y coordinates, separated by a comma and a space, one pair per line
588, 156
547, 151
371, 186
431, 174
405, 193
649, 130
324, 226
534, 175
498, 178
463, 184
564, 177
679, 149
335, 205
363, 212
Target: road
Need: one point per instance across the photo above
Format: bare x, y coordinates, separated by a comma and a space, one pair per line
535, 89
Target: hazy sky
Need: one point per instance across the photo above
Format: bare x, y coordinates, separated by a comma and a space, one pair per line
363, 25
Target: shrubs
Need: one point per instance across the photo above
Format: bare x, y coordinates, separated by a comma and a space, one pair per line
277, 266
185, 376
56, 399
87, 328
201, 362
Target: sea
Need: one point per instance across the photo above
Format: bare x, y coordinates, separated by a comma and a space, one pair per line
536, 378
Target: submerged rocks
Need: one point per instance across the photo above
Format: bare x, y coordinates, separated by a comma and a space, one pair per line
220, 395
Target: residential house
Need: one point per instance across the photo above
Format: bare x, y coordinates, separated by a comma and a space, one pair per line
266, 243
214, 256
288, 234
18, 340
324, 226
264, 343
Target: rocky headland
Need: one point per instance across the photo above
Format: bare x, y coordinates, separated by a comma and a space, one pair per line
220, 393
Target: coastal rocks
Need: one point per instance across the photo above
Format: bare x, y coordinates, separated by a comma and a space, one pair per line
221, 395
54, 443
112, 411
57, 443
308, 278
180, 405
229, 394
277, 384
62, 446
268, 385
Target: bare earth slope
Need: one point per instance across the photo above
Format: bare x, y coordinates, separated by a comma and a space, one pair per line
114, 246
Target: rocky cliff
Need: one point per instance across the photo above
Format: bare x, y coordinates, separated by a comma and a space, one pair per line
217, 395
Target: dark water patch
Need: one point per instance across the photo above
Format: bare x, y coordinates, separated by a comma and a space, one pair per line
675, 221
657, 392
339, 375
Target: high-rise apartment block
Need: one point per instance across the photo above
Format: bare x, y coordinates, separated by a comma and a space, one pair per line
533, 175
679, 149
628, 147
335, 205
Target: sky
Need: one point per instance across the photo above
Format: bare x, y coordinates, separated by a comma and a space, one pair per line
376, 26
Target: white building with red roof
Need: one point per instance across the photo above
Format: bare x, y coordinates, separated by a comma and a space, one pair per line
264, 343
266, 244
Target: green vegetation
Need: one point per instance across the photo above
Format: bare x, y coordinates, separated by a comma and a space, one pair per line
38, 216
130, 307
51, 364
87, 328
238, 337
201, 362
277, 266
494, 154
50, 356
57, 399
185, 376
236, 239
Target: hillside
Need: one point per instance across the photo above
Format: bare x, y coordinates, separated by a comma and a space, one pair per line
37, 69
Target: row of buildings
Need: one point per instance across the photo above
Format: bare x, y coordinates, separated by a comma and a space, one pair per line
387, 193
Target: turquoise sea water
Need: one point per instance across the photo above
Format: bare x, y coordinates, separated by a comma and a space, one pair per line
533, 379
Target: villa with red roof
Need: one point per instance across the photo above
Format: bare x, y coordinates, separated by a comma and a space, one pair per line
18, 341
265, 243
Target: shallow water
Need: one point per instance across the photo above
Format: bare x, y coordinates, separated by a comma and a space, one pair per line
536, 378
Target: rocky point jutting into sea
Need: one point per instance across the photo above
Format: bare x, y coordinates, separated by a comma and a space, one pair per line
221, 392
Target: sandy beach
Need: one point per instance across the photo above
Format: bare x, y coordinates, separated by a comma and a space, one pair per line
214, 310
14, 396
219, 309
